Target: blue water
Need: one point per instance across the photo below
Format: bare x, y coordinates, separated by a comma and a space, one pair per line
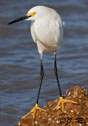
19, 58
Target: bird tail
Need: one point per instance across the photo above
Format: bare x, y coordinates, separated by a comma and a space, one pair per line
63, 23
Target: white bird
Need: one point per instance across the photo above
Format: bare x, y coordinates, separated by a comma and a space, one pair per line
47, 33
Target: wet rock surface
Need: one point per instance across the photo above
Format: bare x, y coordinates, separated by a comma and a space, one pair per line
73, 115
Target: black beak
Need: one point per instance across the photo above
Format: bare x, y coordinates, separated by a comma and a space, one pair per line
18, 19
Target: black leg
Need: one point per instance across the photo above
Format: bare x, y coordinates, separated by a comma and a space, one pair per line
56, 74
41, 79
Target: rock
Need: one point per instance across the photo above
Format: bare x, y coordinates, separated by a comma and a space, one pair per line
73, 115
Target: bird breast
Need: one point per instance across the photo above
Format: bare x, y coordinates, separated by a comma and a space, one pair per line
47, 31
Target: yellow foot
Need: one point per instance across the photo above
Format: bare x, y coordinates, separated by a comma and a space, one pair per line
36, 107
62, 101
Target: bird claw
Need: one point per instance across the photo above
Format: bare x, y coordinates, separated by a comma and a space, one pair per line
62, 101
36, 107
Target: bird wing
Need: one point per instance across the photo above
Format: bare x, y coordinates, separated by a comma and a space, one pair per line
47, 30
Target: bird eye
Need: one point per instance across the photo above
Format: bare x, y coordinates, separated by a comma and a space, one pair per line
31, 14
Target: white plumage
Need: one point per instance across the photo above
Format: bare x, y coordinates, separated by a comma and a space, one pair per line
46, 28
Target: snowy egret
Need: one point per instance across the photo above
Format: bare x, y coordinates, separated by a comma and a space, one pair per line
47, 33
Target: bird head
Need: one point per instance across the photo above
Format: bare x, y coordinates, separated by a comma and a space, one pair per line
33, 14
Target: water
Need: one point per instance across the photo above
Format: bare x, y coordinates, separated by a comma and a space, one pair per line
19, 58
